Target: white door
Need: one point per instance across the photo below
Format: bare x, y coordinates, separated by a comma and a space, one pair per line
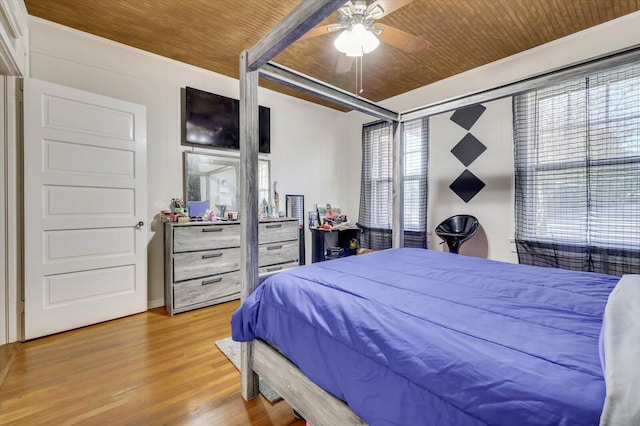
84, 208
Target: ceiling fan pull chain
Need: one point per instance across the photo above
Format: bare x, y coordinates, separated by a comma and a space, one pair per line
356, 88
361, 68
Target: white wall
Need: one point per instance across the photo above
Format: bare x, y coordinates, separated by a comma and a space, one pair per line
493, 205
305, 138
494, 167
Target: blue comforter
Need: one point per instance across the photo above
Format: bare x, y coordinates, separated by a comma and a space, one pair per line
420, 337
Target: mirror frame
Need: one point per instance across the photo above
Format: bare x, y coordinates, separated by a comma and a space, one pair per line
225, 160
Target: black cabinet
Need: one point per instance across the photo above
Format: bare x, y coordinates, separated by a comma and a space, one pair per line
326, 245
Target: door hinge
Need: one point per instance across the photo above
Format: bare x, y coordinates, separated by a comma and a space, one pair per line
21, 306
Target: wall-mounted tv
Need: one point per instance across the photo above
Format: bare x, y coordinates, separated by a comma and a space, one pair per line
212, 121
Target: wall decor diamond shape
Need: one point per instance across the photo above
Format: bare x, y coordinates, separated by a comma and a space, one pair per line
467, 186
468, 149
466, 117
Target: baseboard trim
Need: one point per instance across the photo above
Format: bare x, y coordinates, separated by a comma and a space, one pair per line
7, 355
155, 303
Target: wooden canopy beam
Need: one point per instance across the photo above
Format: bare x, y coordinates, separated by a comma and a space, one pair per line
304, 17
288, 77
578, 70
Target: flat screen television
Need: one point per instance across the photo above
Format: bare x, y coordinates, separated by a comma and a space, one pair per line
213, 121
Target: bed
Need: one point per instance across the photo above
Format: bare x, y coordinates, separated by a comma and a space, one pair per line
414, 336
304, 388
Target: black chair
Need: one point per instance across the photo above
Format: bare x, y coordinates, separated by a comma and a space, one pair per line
456, 230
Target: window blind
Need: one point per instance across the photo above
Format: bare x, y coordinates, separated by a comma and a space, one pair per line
577, 173
416, 138
376, 196
376, 185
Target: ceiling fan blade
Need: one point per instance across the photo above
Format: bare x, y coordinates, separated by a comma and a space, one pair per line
344, 64
318, 31
388, 6
401, 40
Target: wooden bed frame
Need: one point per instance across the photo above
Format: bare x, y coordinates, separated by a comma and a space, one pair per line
258, 358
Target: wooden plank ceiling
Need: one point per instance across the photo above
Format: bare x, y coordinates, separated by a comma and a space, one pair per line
462, 34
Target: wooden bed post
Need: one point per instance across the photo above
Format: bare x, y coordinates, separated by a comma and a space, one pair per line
397, 236
258, 355
248, 208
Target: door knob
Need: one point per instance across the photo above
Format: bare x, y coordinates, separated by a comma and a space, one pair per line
139, 224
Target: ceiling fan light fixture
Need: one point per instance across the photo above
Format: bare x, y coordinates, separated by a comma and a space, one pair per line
358, 31
370, 42
354, 51
356, 41
348, 44
343, 41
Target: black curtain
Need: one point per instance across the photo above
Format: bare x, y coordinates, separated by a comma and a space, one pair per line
577, 173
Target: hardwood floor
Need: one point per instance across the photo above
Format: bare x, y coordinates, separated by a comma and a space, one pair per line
146, 369
7, 354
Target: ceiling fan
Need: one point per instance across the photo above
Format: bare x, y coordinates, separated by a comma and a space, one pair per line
361, 34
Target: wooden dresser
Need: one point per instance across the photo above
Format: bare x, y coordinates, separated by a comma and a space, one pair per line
202, 259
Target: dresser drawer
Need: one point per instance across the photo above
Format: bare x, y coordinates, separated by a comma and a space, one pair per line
206, 237
276, 268
280, 252
206, 289
201, 264
277, 231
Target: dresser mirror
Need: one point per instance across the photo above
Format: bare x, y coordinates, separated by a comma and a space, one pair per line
216, 179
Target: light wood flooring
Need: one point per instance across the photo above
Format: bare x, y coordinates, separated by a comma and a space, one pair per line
146, 369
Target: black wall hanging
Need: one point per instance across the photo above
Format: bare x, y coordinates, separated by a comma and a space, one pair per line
467, 185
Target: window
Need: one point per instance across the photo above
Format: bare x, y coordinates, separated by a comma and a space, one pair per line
376, 185
577, 153
376, 199
416, 137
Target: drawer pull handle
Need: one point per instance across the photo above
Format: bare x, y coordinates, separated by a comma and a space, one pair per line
274, 247
213, 281
277, 225
210, 255
275, 268
212, 229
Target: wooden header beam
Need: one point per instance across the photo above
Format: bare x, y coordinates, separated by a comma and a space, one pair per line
304, 17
